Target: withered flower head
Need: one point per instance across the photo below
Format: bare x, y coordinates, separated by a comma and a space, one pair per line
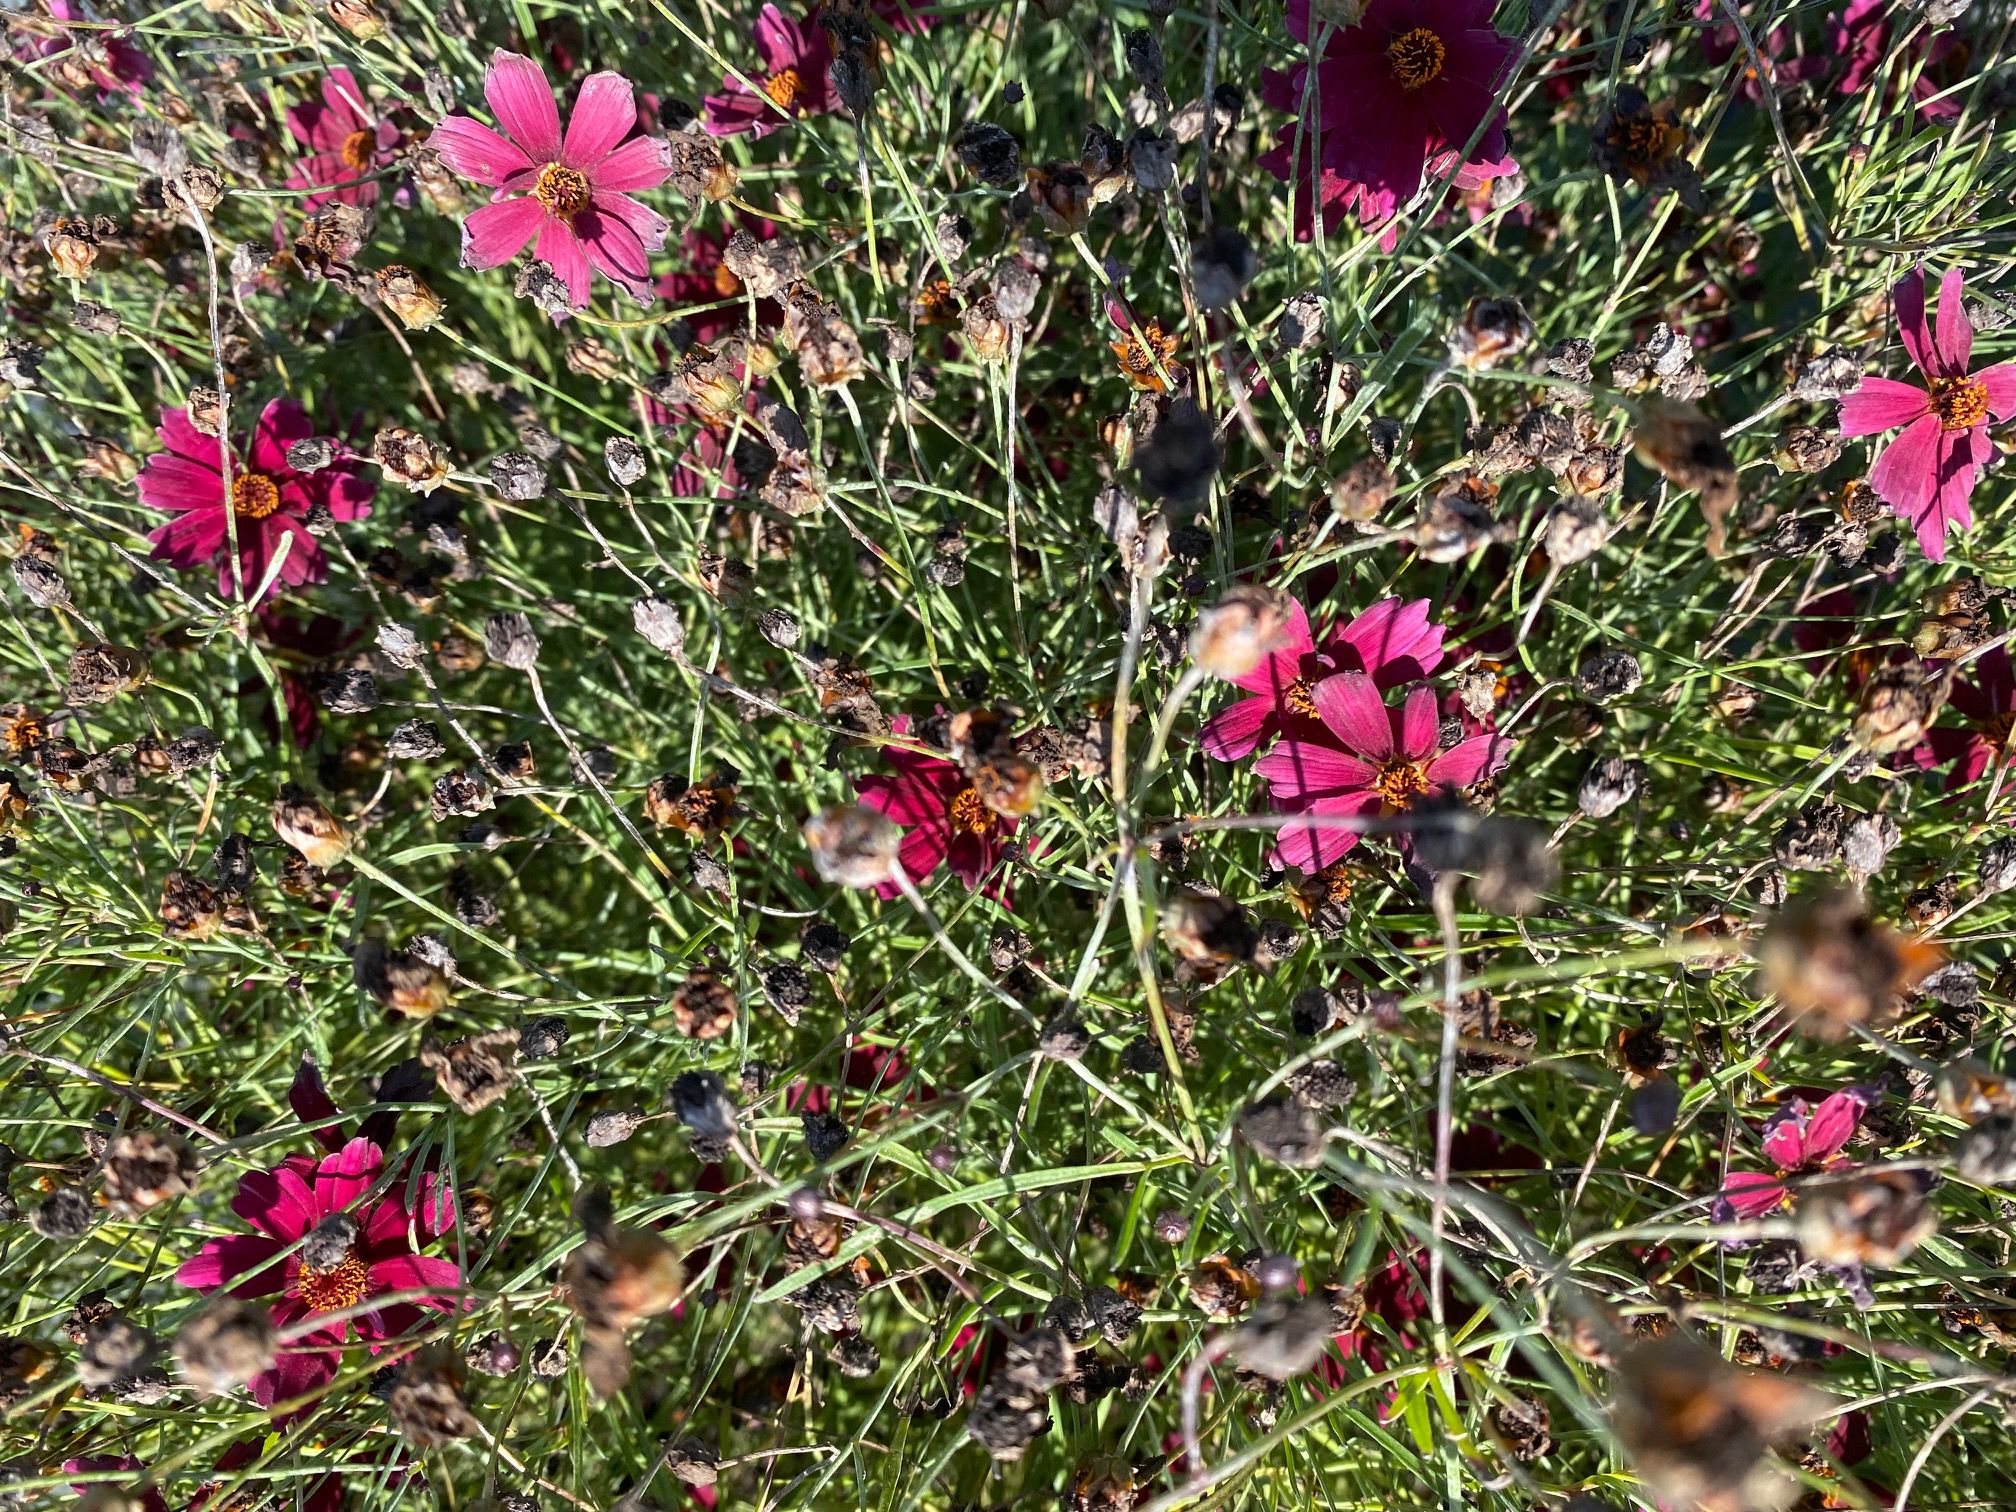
191, 908
399, 979
1698, 1428
225, 1345
1062, 195
1686, 447
853, 846
409, 458
144, 1169
1831, 965
100, 673
475, 1072
1147, 356
1223, 1288
987, 334
1208, 928
1645, 144
700, 810
1970, 1091
406, 295
1896, 707
303, 823
698, 169
618, 1276
360, 18
73, 246
1867, 1217
1009, 785
703, 1006
1492, 331
426, 1403
1240, 631
15, 806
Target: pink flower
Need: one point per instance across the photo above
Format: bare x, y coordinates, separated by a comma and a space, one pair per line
1399, 96
791, 83
269, 497
947, 821
1987, 701
1723, 42
1860, 34
1927, 474
573, 194
91, 58
363, 1247
346, 143
1798, 1140
1393, 643
1374, 761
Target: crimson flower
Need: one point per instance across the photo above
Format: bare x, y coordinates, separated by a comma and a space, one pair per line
1860, 34
1987, 701
1392, 642
1398, 96
346, 143
269, 497
361, 1248
1927, 473
706, 279
1798, 1140
572, 193
1373, 761
151, 1500
792, 81
94, 57
947, 822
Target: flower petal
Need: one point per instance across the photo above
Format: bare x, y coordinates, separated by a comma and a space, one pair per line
412, 1272
1906, 475
1752, 1194
560, 249
342, 1178
179, 434
1834, 1121
1467, 760
1297, 769
1312, 847
1908, 296
495, 234
1281, 666
1882, 404
903, 798
605, 112
2000, 382
1420, 724
779, 39
1395, 642
277, 1203
1953, 343
1785, 1135
1350, 706
281, 424
643, 162
223, 1261
477, 153
1236, 731
173, 484
190, 540
522, 100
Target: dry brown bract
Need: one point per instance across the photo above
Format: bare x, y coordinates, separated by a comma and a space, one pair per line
472, 1073
1832, 966
101, 673
1698, 1428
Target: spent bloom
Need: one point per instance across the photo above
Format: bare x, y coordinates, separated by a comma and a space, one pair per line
270, 498
571, 193
1927, 473
1392, 642
1371, 761
92, 57
323, 1244
346, 140
1398, 97
792, 81
944, 820
1799, 1139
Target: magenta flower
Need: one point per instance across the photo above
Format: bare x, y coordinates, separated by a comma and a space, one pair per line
1987, 701
1392, 643
571, 193
706, 279
1398, 96
1373, 761
346, 143
947, 822
1927, 474
86, 59
269, 497
791, 83
372, 1251
1798, 1140
1860, 34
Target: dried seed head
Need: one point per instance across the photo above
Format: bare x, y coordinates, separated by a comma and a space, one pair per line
1241, 630
1686, 447
1896, 707
703, 1006
1608, 786
1985, 1153
518, 476
1180, 456
399, 980
475, 1072
659, 623
1869, 1217
853, 846
698, 169
225, 1345
1208, 928
1996, 870
509, 639
701, 1101
425, 1402
1492, 331
1284, 1129
1221, 1288
410, 458
1575, 531
992, 153
1284, 1337
1832, 966
144, 1169
40, 581
1221, 265
303, 823
100, 673
1868, 841
624, 459
407, 296
1609, 675
612, 1127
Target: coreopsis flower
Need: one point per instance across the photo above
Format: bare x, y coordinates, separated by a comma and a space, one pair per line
1393, 643
791, 83
347, 143
1859, 35
323, 1245
1987, 702
571, 193
945, 821
1927, 474
1778, 64
1372, 761
88, 58
270, 498
707, 278
1399, 96
1799, 1140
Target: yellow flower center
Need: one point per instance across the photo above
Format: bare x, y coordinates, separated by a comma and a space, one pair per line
1996, 728
1145, 355
969, 813
783, 87
254, 496
563, 191
343, 1284
1401, 781
1416, 57
1298, 698
1960, 403
357, 150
